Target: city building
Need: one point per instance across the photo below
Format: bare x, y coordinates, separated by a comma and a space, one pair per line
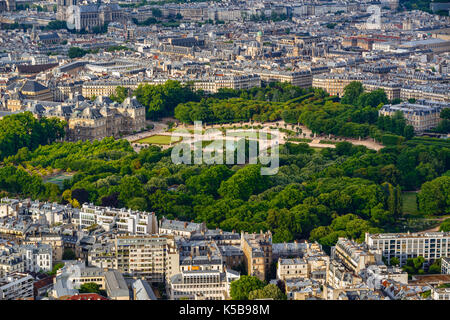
130, 221
201, 285
257, 250
151, 257
354, 256
422, 115
445, 265
69, 279
16, 286
429, 245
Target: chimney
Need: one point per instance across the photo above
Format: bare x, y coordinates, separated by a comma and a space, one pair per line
185, 225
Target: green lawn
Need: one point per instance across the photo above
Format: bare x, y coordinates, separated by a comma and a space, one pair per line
327, 142
409, 203
306, 140
246, 133
158, 139
59, 179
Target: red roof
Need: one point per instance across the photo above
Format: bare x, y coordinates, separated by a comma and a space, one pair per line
84, 296
43, 282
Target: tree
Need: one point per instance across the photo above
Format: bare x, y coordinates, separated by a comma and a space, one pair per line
55, 268
244, 183
137, 203
161, 100
344, 148
76, 52
445, 114
69, 254
434, 196
120, 95
90, 287
24, 130
157, 13
352, 92
271, 291
241, 288
56, 25
372, 99
394, 261
414, 265
435, 267
81, 195
209, 180
130, 187
445, 225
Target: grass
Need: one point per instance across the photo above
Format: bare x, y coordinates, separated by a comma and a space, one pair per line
158, 139
409, 203
327, 142
59, 179
300, 139
246, 133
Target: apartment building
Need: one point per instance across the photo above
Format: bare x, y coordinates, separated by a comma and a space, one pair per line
16, 286
201, 285
257, 250
103, 255
25, 258
126, 220
55, 241
296, 249
229, 244
69, 279
340, 277
400, 291
423, 115
440, 293
9, 207
445, 265
153, 257
354, 256
200, 255
303, 289
373, 275
37, 258
13, 228
392, 89
235, 82
10, 263
180, 228
49, 213
302, 79
435, 93
99, 88
334, 84
292, 268
430, 245
65, 90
